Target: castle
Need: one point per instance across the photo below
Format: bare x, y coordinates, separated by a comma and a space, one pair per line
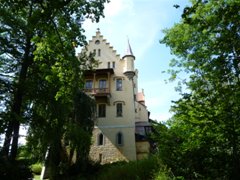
122, 121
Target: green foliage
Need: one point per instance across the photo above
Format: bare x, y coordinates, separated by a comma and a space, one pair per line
42, 78
36, 168
206, 120
142, 169
169, 142
22, 152
69, 135
165, 174
37, 177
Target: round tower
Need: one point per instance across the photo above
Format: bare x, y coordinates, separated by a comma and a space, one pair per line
129, 62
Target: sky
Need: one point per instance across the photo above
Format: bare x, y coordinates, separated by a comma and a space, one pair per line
142, 22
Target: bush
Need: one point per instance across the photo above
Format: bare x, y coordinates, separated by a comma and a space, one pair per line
142, 169
36, 168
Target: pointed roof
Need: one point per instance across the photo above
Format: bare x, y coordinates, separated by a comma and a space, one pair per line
128, 51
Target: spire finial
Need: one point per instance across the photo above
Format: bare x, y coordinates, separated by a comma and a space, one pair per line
129, 49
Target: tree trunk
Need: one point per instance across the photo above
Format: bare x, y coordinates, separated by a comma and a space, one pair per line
18, 98
12, 132
235, 156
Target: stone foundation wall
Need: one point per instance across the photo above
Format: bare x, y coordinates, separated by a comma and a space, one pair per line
106, 153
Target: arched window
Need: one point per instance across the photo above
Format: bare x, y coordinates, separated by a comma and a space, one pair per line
97, 42
119, 110
119, 139
119, 84
100, 139
101, 110
99, 52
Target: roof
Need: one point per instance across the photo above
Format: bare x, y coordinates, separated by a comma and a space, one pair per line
143, 123
128, 51
140, 97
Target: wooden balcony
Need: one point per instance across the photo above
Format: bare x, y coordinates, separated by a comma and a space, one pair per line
98, 91
102, 95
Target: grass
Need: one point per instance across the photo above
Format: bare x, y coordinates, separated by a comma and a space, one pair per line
36, 177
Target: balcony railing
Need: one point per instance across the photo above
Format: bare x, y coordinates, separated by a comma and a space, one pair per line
98, 91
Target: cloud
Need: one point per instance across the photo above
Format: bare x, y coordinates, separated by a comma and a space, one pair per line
128, 18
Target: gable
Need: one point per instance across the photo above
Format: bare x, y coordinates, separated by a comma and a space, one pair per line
104, 51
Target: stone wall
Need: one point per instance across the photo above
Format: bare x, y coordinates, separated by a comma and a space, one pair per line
143, 149
106, 153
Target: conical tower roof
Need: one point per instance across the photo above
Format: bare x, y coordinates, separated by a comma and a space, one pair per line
128, 51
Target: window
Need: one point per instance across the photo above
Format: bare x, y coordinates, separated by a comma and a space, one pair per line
100, 157
102, 110
102, 84
140, 130
108, 65
119, 109
99, 52
113, 65
94, 51
88, 84
148, 129
97, 42
119, 84
119, 139
100, 139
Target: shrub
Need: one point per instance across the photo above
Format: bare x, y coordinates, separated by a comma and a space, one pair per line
36, 168
142, 169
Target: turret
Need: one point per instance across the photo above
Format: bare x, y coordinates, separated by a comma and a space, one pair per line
129, 62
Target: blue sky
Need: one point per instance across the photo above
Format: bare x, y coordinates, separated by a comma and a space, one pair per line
142, 21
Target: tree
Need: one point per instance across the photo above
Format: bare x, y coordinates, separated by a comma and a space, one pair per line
207, 43
33, 32
168, 142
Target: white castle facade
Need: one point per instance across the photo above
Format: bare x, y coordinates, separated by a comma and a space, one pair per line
122, 121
